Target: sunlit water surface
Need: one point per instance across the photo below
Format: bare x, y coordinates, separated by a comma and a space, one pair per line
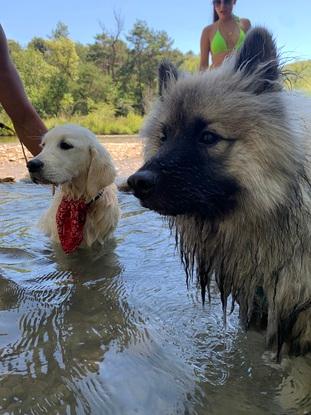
118, 332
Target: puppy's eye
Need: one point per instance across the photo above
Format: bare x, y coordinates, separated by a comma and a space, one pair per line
208, 138
65, 146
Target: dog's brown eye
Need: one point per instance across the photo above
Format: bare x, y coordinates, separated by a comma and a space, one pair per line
163, 137
209, 138
65, 146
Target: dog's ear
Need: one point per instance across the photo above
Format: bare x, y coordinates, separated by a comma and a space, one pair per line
101, 171
258, 59
167, 73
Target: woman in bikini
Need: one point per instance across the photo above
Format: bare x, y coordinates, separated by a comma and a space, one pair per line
225, 35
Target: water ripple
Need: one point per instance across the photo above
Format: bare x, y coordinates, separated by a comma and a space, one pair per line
116, 331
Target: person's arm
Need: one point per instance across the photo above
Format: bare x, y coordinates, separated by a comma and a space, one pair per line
204, 49
245, 24
28, 125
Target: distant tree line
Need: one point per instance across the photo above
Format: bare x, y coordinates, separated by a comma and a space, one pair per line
66, 78
108, 82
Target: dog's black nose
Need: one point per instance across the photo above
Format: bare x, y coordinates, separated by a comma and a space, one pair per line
142, 182
34, 165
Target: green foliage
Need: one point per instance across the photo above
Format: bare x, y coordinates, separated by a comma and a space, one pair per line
5, 122
107, 85
102, 121
64, 78
108, 53
14, 47
299, 76
38, 44
191, 62
37, 75
92, 87
61, 53
147, 48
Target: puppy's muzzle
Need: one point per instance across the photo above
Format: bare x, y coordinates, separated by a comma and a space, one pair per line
142, 183
35, 166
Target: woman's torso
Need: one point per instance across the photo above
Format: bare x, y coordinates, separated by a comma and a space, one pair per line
223, 41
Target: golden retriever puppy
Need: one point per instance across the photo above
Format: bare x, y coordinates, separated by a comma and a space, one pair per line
85, 207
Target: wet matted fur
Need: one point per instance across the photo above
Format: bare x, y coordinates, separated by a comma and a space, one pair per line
227, 160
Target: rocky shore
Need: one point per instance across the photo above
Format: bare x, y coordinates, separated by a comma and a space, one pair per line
126, 152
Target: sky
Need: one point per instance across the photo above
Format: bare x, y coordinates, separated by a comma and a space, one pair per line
288, 20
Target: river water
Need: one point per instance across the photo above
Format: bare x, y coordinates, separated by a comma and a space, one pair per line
117, 331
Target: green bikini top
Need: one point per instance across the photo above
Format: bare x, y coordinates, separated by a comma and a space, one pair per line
219, 45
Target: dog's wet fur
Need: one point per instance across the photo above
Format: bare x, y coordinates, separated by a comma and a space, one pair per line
227, 161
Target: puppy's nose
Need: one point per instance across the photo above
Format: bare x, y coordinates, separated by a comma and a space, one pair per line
34, 165
142, 182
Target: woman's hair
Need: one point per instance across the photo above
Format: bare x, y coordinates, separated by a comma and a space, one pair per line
215, 15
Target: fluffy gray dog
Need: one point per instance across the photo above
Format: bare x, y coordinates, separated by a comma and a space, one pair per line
227, 160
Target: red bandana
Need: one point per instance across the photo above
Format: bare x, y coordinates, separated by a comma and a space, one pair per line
70, 220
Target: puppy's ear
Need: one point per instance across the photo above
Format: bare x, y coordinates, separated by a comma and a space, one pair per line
167, 73
258, 60
101, 171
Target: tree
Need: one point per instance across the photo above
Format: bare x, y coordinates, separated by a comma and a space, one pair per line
109, 51
14, 47
61, 53
36, 74
146, 50
62, 77
60, 31
39, 44
92, 87
191, 62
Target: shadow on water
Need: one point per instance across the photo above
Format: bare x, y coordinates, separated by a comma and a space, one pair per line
116, 331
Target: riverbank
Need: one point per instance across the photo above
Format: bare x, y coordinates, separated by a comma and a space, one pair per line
126, 152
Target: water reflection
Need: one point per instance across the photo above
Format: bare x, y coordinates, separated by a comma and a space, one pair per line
67, 331
117, 331
64, 323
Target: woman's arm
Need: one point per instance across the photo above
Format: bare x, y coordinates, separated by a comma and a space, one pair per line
204, 49
245, 24
28, 125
